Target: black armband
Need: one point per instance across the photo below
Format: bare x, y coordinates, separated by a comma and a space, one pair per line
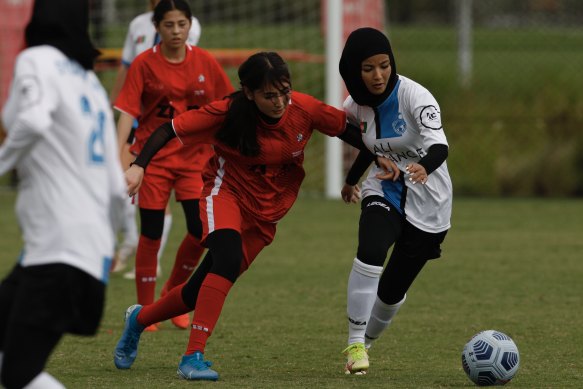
359, 166
435, 156
155, 142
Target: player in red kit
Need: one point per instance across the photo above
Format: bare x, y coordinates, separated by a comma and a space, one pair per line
164, 81
259, 135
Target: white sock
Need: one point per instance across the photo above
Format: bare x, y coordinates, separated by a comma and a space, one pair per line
380, 318
44, 381
130, 228
165, 233
362, 290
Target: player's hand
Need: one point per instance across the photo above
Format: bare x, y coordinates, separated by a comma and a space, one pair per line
390, 170
416, 173
350, 193
134, 176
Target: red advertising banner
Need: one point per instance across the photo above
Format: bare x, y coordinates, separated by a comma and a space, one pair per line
15, 16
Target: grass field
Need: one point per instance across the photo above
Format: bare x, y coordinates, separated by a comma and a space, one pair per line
512, 265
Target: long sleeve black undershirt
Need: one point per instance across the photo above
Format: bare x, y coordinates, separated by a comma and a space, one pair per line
162, 135
435, 156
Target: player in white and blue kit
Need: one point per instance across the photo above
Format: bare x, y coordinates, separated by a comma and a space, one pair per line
399, 120
61, 139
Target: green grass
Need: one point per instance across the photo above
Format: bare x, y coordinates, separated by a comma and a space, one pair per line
512, 265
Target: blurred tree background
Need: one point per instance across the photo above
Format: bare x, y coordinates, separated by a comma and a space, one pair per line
513, 119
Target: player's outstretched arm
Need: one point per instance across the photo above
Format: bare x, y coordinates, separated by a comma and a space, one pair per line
162, 135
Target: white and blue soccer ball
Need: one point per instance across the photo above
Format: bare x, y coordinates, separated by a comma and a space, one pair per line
490, 358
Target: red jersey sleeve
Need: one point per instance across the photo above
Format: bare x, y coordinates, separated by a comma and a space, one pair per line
129, 99
223, 86
326, 119
200, 125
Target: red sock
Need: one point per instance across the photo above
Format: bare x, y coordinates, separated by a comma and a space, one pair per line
211, 297
146, 260
187, 258
165, 308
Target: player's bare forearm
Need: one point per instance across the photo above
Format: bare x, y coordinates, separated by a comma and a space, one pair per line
120, 78
124, 127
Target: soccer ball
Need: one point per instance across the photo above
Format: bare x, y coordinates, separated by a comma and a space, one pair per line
490, 358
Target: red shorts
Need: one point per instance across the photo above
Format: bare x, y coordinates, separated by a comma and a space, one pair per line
223, 212
159, 181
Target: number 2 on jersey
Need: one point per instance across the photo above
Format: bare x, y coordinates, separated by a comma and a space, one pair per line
96, 140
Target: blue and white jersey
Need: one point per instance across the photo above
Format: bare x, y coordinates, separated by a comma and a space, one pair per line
403, 128
61, 138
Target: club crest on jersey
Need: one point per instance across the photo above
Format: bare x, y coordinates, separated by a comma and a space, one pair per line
201, 78
363, 127
399, 125
300, 137
140, 39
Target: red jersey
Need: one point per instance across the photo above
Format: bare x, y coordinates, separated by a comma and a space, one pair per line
268, 184
156, 90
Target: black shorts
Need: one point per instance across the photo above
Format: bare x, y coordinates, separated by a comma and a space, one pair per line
57, 297
420, 244
381, 222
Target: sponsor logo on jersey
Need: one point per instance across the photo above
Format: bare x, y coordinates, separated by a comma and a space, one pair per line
199, 92
30, 89
431, 117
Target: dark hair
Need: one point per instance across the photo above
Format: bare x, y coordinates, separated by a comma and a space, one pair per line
165, 6
239, 130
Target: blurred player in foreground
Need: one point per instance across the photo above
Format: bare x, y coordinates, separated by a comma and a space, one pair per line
61, 139
400, 120
141, 36
259, 135
163, 82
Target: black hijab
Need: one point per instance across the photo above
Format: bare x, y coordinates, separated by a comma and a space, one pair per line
62, 24
360, 45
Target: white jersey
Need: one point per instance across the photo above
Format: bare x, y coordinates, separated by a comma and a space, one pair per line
403, 128
62, 141
142, 36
